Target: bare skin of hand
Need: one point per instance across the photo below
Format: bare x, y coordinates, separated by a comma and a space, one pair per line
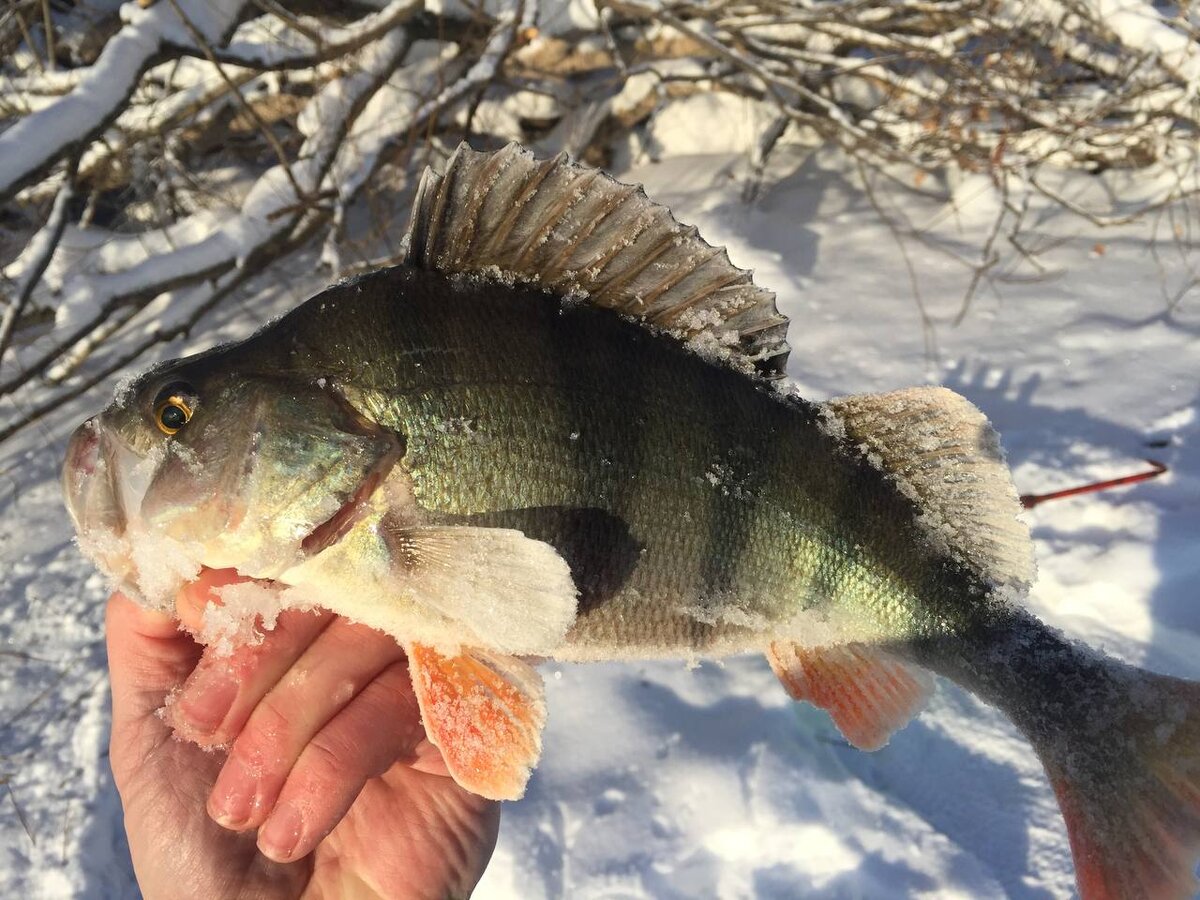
328, 787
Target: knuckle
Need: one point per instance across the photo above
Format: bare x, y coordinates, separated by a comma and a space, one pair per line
258, 755
327, 762
394, 690
271, 715
268, 726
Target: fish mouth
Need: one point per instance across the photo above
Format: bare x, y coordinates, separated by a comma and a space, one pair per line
89, 483
353, 510
96, 502
79, 469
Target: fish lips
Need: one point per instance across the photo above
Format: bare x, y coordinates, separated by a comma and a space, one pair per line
96, 497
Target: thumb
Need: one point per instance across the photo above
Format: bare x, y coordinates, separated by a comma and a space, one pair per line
148, 657
196, 596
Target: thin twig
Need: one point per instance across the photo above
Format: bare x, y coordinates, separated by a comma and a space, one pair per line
28, 38
7, 782
236, 92
988, 257
48, 27
929, 333
292, 22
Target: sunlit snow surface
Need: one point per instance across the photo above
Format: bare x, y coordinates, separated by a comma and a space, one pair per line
660, 781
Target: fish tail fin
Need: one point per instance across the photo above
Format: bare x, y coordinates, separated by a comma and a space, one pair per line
1120, 746
1128, 785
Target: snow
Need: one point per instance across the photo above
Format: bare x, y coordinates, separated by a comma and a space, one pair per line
1139, 25
660, 781
563, 17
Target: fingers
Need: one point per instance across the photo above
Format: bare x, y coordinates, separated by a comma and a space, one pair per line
222, 693
218, 698
361, 742
148, 657
194, 597
314, 711
340, 665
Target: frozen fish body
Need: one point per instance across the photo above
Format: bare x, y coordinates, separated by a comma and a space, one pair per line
556, 430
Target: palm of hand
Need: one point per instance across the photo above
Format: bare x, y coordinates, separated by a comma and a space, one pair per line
409, 833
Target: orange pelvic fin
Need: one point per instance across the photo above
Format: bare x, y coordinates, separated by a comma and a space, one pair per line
867, 692
485, 712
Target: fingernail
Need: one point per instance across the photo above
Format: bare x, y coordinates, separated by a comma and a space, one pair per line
207, 698
279, 837
233, 796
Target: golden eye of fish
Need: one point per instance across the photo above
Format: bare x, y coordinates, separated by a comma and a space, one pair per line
172, 414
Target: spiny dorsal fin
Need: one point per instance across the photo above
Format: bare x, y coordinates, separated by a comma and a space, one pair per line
943, 453
573, 230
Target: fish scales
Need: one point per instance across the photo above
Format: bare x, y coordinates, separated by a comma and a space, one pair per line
743, 511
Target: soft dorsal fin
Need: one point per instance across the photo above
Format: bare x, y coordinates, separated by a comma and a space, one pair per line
943, 452
573, 230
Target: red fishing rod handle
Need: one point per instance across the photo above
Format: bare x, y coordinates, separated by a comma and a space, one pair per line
1029, 501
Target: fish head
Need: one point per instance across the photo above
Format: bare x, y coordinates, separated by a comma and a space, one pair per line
199, 464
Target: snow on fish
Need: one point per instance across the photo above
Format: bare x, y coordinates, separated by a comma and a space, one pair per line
558, 430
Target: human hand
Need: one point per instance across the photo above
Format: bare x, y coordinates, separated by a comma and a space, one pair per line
329, 787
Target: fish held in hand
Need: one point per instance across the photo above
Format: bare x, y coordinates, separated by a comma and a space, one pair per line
557, 430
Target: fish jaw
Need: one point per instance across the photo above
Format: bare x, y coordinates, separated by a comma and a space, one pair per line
86, 485
276, 473
94, 502
103, 481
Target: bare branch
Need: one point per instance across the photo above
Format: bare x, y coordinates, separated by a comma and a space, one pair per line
335, 43
39, 252
36, 142
269, 213
48, 29
235, 92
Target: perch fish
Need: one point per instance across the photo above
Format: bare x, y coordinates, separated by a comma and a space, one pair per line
558, 429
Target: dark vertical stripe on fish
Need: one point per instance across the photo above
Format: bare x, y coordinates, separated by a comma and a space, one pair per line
600, 423
737, 476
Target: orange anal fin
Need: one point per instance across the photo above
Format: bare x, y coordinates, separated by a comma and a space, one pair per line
485, 712
867, 692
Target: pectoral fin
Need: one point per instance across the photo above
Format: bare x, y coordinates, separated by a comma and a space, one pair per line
485, 712
514, 593
867, 692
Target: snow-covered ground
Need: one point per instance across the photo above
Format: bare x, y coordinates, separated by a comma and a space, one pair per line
661, 781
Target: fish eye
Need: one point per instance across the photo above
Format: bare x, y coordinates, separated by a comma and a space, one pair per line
173, 409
